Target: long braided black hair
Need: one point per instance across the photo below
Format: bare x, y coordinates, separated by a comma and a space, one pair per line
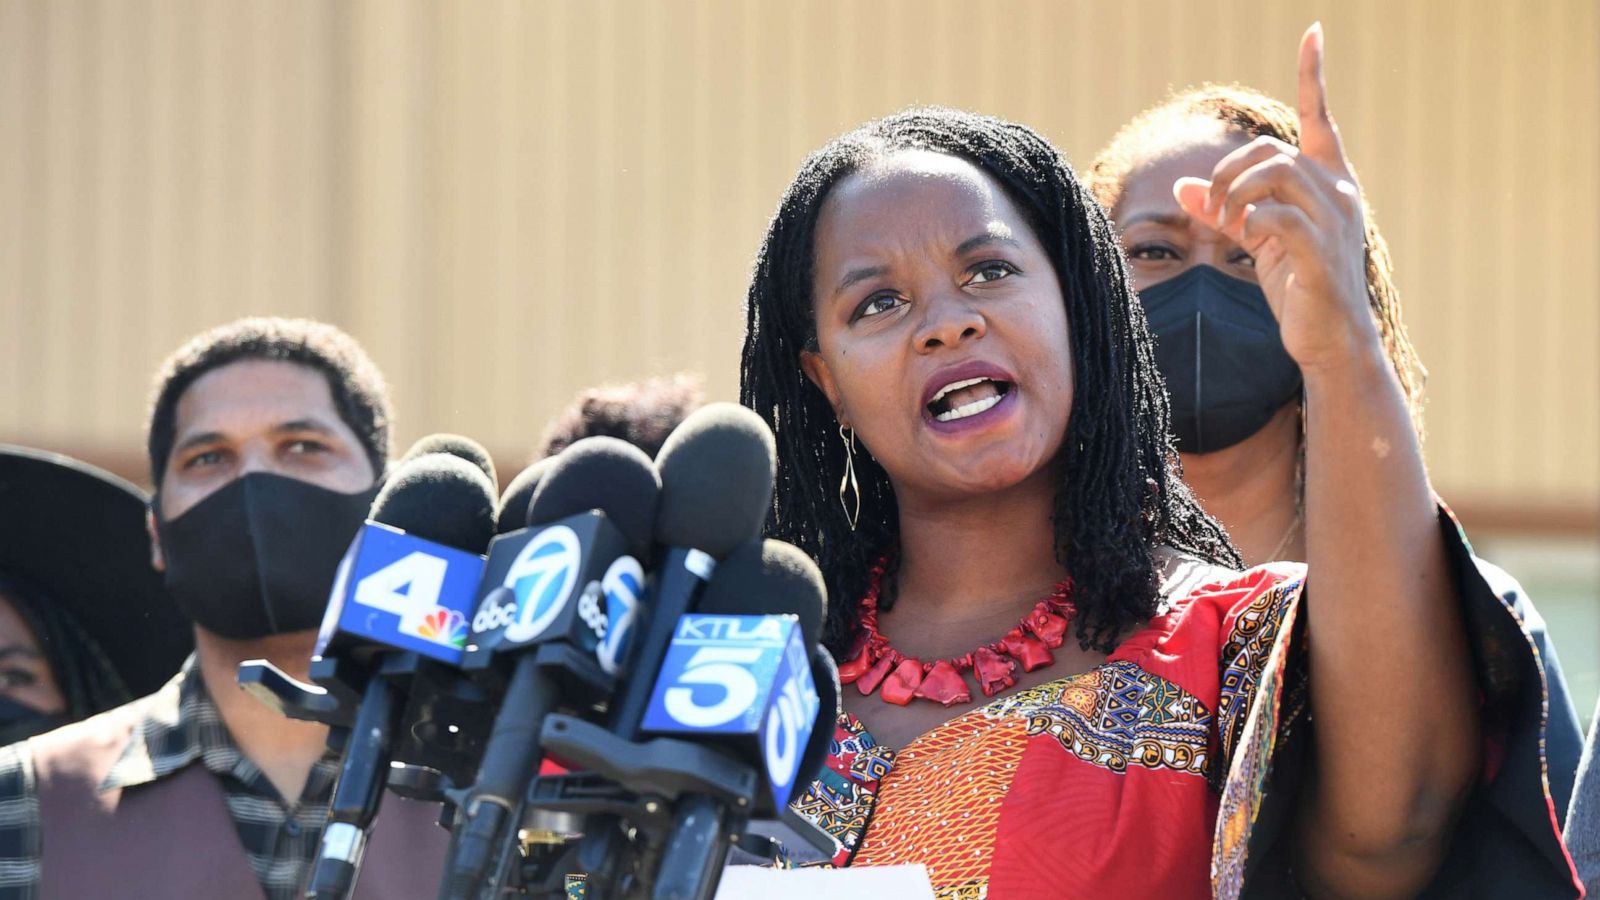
88, 681
1120, 496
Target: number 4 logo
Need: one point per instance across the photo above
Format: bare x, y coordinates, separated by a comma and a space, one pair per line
409, 587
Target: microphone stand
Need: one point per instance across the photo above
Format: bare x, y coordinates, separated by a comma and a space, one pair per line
647, 783
490, 812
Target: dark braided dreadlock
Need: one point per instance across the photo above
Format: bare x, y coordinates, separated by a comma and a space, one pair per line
88, 681
1120, 495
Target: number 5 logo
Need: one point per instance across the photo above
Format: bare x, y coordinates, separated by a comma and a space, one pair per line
722, 667
421, 575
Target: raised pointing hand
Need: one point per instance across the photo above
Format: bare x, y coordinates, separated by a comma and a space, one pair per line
1298, 212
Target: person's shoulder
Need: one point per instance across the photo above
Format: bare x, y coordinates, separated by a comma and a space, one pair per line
20, 837
1182, 575
19, 762
86, 749
114, 725
1222, 605
1509, 590
1206, 608
16, 773
1188, 581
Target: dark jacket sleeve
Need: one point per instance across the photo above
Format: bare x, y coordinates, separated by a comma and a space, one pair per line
1583, 820
1532, 743
1563, 734
1508, 841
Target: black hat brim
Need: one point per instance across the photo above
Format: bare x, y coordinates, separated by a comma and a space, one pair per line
78, 533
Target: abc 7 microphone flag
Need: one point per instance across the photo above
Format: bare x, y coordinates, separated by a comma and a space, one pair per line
529, 592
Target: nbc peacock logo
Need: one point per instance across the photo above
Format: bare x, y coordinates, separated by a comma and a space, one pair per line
444, 626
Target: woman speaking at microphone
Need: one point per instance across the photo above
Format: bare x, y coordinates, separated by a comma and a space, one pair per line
1064, 684
1239, 214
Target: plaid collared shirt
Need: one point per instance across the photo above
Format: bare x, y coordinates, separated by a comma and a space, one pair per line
180, 725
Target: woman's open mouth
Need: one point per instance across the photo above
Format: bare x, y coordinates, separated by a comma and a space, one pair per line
966, 398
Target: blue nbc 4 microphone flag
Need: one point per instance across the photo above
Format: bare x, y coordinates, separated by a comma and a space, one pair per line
401, 590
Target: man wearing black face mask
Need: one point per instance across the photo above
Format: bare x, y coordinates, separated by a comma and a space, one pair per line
267, 438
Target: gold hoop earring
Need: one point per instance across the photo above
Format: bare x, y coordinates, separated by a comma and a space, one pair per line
848, 482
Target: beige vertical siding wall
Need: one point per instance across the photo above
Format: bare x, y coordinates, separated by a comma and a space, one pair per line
508, 201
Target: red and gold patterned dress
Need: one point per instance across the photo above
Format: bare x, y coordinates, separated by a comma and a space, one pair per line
1138, 778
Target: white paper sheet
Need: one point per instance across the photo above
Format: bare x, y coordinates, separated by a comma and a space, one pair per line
865, 883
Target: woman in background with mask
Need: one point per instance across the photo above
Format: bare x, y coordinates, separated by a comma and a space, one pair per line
1239, 217
84, 622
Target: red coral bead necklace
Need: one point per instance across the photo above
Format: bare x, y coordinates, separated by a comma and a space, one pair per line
875, 665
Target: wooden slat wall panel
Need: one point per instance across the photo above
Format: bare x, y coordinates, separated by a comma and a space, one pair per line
507, 201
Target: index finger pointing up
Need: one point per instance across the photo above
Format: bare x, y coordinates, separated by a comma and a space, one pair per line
1319, 136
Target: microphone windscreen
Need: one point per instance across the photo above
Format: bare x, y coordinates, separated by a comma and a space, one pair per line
825, 677
455, 445
513, 511
717, 470
601, 473
760, 578
439, 498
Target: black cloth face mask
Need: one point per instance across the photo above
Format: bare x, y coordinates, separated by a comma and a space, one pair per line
1218, 347
19, 721
257, 557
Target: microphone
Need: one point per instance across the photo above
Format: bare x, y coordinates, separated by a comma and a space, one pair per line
544, 614
513, 510
770, 577
453, 445
739, 668
410, 578
788, 582
739, 672
717, 469
406, 584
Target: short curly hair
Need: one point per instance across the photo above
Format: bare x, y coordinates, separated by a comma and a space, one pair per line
642, 413
359, 391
